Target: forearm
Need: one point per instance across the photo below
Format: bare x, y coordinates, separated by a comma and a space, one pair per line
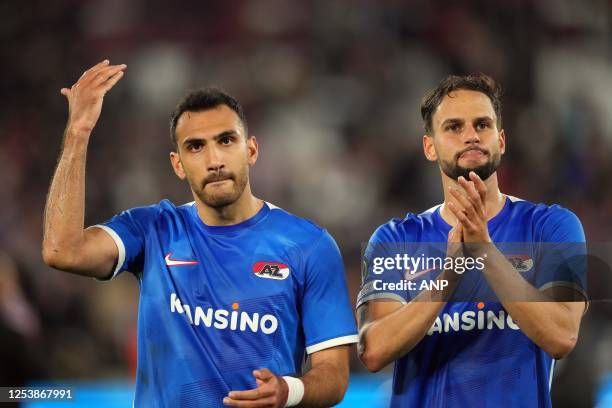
385, 339
551, 325
388, 338
325, 384
65, 206
548, 323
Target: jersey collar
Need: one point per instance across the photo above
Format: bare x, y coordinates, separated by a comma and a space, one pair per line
229, 229
492, 223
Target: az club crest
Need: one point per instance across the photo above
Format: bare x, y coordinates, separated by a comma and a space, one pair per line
521, 262
271, 270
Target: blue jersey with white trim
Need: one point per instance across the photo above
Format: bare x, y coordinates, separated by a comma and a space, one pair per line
475, 355
218, 302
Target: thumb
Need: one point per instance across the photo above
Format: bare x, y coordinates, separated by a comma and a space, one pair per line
455, 235
65, 92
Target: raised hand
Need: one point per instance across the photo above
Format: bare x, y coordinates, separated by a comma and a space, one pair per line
86, 95
455, 239
470, 209
271, 392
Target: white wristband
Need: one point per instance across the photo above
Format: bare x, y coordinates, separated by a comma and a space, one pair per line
296, 390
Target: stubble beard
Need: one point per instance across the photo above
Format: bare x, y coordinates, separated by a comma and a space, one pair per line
219, 200
453, 170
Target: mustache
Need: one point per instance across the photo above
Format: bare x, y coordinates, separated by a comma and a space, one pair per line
218, 176
467, 149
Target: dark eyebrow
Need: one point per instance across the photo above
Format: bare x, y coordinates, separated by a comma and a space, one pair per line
452, 121
191, 140
227, 133
221, 135
484, 118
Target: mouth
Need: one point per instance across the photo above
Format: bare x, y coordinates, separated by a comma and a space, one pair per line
473, 153
217, 182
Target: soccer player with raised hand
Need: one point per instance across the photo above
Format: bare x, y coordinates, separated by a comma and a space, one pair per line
233, 290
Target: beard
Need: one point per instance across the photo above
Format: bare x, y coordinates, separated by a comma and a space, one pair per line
220, 199
453, 170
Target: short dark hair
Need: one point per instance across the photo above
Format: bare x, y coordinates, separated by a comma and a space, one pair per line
473, 82
205, 99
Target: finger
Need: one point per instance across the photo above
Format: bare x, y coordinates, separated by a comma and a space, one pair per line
253, 394
471, 192
455, 234
470, 187
455, 238
470, 200
264, 374
266, 402
480, 185
93, 69
466, 205
65, 92
461, 216
459, 232
464, 221
112, 81
105, 73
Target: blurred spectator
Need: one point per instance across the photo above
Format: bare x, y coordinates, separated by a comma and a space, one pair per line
19, 328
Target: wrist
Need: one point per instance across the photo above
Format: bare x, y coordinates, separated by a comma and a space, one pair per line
75, 139
77, 131
295, 390
480, 247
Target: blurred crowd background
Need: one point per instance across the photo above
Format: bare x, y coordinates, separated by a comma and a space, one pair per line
332, 91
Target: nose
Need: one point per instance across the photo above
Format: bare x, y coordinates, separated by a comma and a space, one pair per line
214, 160
470, 136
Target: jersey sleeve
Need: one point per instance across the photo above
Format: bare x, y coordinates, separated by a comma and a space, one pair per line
327, 315
377, 281
128, 230
562, 258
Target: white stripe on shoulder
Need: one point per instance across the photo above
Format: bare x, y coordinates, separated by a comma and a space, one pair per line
338, 341
118, 243
550, 377
513, 198
432, 209
271, 206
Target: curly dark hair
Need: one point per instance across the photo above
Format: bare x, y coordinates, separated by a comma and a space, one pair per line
473, 82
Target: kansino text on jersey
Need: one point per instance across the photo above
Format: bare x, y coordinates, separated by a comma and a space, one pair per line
472, 320
435, 284
222, 319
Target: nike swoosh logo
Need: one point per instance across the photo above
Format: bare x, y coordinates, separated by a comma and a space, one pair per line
176, 262
410, 276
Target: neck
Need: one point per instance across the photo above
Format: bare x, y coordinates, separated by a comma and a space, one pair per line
494, 201
240, 210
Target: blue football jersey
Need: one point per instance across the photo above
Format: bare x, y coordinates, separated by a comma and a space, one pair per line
218, 302
475, 355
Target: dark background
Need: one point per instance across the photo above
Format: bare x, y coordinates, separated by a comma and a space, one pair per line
332, 91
